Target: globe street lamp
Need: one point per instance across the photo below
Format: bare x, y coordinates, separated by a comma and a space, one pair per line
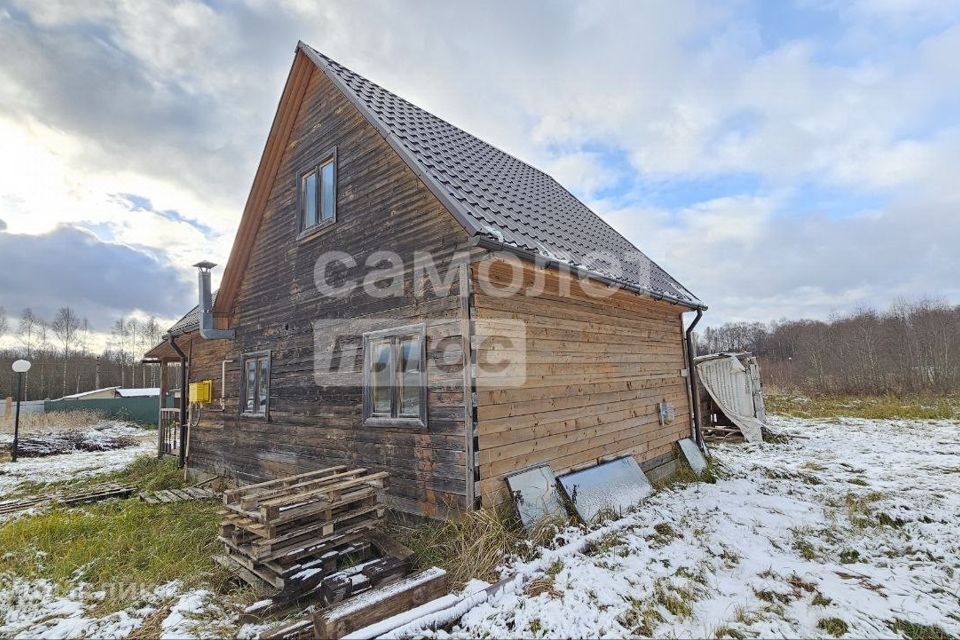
20, 367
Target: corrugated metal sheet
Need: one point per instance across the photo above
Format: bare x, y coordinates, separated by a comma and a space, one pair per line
617, 485
732, 386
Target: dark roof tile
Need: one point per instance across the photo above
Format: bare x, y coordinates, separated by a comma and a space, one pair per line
502, 197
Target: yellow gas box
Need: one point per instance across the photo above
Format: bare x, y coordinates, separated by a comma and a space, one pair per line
201, 392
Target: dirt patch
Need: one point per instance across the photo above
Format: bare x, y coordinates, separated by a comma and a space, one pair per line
51, 444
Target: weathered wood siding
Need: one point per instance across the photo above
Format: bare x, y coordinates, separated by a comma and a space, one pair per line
596, 370
381, 206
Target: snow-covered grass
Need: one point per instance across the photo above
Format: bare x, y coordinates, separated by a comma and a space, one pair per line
848, 526
78, 464
883, 407
115, 568
41, 609
844, 527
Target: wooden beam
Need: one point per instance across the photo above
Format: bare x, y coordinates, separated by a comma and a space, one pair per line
381, 603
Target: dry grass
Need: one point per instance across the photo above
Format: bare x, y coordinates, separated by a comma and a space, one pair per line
473, 544
119, 543
53, 422
874, 407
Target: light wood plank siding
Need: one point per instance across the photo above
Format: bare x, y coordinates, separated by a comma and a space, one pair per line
596, 370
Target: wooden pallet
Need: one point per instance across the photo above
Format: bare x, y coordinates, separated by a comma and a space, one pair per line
177, 495
301, 629
93, 494
274, 530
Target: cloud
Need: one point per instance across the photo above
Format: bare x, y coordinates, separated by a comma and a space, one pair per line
140, 204
751, 258
100, 280
779, 158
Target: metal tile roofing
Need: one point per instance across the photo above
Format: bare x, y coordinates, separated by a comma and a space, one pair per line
189, 322
501, 198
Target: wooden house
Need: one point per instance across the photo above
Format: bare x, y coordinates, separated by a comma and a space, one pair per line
433, 373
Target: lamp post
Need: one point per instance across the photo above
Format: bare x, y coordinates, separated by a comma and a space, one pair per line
20, 367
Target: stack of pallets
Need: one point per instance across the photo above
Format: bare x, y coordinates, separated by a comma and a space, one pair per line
278, 529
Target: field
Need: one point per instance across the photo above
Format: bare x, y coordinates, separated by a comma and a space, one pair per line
839, 527
876, 407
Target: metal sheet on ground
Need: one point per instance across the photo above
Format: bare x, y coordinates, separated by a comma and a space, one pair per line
616, 486
693, 456
534, 492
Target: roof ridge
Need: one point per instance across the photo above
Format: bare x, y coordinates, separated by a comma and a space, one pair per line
433, 115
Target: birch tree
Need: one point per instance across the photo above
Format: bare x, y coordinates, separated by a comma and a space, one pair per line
65, 327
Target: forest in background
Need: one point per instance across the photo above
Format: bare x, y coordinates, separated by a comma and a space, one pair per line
911, 348
63, 362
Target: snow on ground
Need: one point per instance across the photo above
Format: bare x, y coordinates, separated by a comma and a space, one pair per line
79, 464
37, 609
41, 609
848, 526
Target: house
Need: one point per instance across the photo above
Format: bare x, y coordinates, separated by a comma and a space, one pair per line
403, 296
109, 393
106, 393
143, 392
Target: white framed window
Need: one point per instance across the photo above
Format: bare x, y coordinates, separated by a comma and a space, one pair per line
317, 194
395, 377
255, 384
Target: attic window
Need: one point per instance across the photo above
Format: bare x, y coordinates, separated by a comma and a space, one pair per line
317, 194
394, 378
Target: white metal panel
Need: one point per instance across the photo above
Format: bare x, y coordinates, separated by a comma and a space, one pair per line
730, 385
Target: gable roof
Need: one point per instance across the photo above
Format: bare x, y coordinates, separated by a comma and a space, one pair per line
501, 201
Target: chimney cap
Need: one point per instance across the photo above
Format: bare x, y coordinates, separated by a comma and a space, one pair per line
205, 265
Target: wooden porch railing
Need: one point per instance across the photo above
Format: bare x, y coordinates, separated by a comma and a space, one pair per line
169, 433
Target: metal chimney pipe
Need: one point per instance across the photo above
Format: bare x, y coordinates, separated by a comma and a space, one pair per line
207, 331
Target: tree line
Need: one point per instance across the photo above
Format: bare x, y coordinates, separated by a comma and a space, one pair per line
63, 360
913, 347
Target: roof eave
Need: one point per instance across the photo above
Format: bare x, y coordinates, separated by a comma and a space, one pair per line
487, 242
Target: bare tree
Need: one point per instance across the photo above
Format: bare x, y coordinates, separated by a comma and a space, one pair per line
27, 330
914, 347
133, 328
65, 326
151, 333
43, 348
3, 321
83, 340
120, 333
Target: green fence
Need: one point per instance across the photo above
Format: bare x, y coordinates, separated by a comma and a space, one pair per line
143, 410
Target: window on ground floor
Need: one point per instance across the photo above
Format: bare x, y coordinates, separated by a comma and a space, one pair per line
394, 377
255, 391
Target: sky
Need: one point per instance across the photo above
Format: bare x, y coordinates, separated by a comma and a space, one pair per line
780, 159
